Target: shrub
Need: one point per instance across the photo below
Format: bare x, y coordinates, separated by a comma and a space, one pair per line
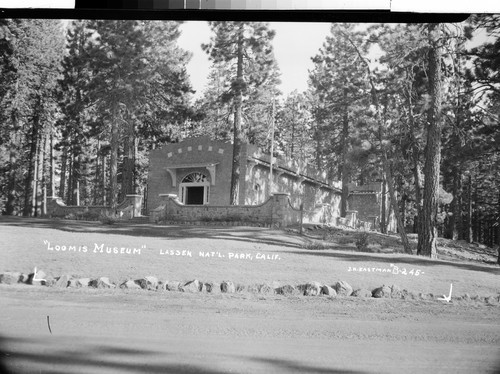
90, 215
71, 216
315, 245
362, 242
108, 218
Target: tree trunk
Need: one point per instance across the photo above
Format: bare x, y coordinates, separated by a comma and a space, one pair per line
97, 179
12, 180
128, 162
103, 182
456, 205
113, 163
468, 225
344, 166
40, 176
427, 239
77, 175
415, 156
34, 194
69, 199
52, 165
238, 102
383, 220
28, 183
62, 182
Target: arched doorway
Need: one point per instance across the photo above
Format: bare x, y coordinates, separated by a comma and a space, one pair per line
194, 189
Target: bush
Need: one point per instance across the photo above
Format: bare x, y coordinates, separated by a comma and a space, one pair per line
90, 215
362, 242
108, 218
315, 245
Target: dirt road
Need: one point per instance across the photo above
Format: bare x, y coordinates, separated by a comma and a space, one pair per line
97, 331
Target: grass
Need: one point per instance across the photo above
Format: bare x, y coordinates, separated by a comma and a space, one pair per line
243, 255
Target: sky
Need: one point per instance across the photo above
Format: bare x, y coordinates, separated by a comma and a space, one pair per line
294, 45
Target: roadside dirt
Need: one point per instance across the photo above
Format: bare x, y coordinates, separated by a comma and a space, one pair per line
134, 332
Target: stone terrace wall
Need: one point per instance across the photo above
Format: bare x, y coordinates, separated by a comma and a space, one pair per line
277, 211
172, 210
129, 208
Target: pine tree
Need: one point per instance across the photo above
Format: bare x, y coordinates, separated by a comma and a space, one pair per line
338, 84
119, 73
246, 49
29, 107
294, 130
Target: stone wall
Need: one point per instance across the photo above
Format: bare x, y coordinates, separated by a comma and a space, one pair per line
129, 208
277, 211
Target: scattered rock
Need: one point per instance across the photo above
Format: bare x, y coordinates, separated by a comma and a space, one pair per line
227, 287
253, 288
407, 295
10, 278
424, 296
265, 289
312, 289
49, 281
287, 290
83, 282
382, 292
328, 291
62, 281
396, 292
239, 287
130, 285
491, 300
151, 282
102, 282
362, 292
343, 288
275, 285
173, 286
212, 287
191, 286
147, 283
142, 283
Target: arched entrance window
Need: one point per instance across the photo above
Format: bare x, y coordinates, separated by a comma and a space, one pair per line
194, 189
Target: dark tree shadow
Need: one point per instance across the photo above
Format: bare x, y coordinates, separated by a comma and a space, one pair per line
413, 260
127, 360
241, 233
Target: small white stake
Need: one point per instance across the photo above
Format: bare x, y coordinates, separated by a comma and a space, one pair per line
447, 298
35, 278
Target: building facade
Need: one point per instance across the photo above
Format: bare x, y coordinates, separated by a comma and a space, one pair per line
198, 171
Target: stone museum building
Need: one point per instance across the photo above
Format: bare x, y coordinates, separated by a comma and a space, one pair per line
198, 171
